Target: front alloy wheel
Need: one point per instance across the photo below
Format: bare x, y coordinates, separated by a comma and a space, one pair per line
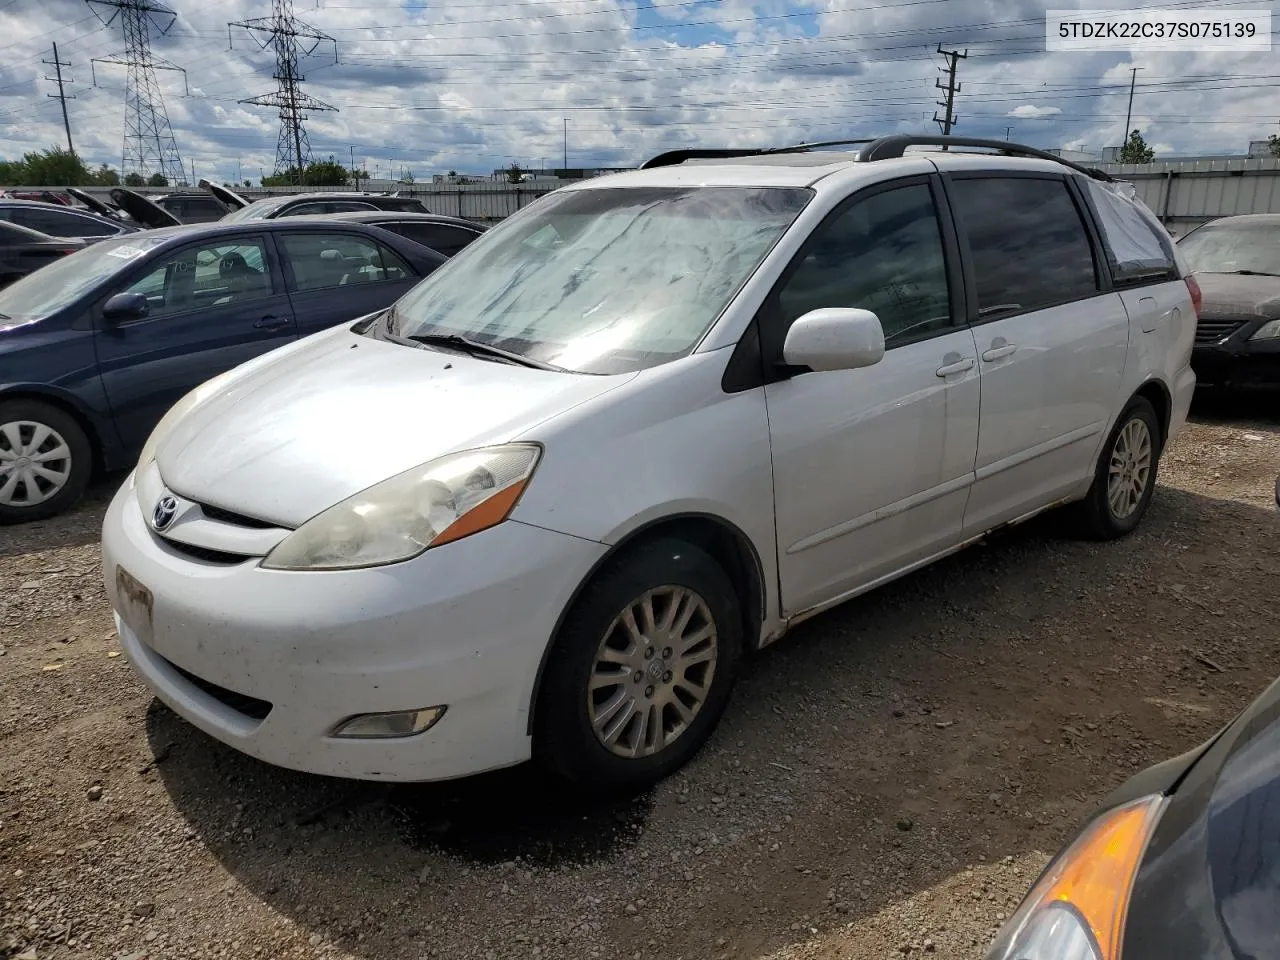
653, 671
641, 669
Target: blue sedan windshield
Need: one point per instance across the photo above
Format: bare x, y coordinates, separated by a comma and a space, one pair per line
51, 288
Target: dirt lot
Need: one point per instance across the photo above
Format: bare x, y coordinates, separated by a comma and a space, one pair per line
886, 781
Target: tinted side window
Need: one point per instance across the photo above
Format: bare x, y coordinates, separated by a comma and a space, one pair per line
1136, 250
206, 275
440, 237
321, 260
306, 209
883, 254
1028, 243
59, 224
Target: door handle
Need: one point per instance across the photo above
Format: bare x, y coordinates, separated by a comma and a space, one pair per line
271, 322
999, 348
955, 366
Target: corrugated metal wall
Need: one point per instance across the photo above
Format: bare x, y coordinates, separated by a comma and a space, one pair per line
1186, 193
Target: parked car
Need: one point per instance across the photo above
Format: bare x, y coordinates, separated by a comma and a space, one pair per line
1181, 861
24, 251
308, 204
192, 206
58, 221
1237, 263
96, 346
544, 504
447, 235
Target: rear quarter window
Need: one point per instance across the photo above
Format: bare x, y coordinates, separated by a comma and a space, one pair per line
1137, 250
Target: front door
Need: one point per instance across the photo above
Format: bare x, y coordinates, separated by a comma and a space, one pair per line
872, 467
337, 277
1051, 344
212, 305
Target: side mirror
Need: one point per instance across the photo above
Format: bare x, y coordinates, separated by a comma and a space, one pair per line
124, 307
834, 338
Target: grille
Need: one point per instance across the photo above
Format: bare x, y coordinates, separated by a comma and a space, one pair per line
251, 707
236, 519
1211, 331
204, 553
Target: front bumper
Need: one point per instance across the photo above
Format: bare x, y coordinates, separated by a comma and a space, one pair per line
1233, 360
464, 625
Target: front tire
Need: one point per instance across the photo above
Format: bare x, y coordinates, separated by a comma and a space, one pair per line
641, 669
1125, 478
45, 461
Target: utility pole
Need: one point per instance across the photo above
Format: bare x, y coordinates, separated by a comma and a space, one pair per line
353, 166
1007, 132
149, 144
193, 172
949, 120
292, 38
1133, 77
566, 146
62, 93
239, 173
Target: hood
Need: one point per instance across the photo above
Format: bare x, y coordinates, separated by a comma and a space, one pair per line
339, 412
228, 198
142, 209
94, 204
1210, 878
1233, 295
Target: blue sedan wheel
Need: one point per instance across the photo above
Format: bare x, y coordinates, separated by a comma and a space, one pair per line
45, 461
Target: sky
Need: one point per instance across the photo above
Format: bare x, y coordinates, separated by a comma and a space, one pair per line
474, 85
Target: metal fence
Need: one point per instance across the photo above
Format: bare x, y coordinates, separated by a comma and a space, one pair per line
1184, 194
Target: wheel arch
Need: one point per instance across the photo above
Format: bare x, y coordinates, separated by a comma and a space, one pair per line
1157, 393
68, 405
728, 545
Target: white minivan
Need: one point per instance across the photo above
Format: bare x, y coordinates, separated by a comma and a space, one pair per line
544, 505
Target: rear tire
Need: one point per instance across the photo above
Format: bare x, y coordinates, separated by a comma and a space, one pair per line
1125, 477
641, 669
45, 461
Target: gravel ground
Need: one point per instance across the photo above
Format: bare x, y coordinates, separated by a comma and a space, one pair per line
886, 781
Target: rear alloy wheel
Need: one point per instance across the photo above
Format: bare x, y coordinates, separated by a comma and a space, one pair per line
641, 670
1125, 478
44, 461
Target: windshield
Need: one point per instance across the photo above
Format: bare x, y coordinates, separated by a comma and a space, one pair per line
52, 287
258, 210
608, 280
1232, 247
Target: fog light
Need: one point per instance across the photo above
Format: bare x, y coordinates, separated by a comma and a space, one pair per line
380, 726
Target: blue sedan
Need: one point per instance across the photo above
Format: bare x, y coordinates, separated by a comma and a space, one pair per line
97, 346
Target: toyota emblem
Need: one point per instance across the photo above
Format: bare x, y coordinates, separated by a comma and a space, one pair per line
166, 509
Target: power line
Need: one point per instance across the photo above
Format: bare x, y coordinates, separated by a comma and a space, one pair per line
61, 95
293, 150
149, 144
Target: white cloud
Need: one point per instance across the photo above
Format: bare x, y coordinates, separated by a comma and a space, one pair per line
1029, 111
473, 86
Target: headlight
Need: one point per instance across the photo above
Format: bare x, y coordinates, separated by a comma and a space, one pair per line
399, 518
1268, 331
1077, 910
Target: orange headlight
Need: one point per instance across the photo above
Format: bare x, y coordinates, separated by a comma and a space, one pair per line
1077, 910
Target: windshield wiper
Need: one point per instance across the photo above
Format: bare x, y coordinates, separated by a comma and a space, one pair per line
475, 348
1253, 273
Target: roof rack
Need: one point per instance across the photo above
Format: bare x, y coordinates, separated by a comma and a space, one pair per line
673, 157
883, 148
887, 148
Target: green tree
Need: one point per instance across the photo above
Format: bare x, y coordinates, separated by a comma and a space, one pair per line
54, 167
134, 180
1135, 150
104, 176
1275, 145
514, 173
248, 184
13, 173
157, 180
326, 173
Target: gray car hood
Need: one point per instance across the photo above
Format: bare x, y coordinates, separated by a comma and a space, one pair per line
1233, 295
294, 432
